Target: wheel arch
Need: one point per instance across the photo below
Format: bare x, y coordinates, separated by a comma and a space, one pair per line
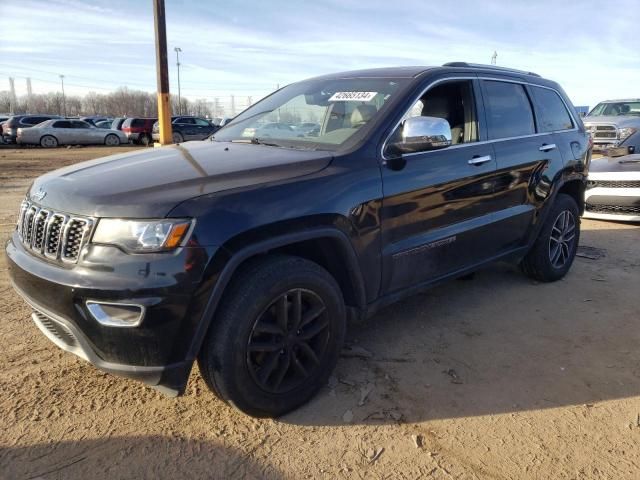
574, 187
327, 246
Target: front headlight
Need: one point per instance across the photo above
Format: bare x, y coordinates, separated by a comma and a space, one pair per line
626, 133
142, 235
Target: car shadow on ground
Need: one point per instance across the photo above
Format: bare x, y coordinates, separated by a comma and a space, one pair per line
130, 457
495, 344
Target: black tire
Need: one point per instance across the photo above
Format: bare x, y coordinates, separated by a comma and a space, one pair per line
177, 137
545, 262
233, 358
145, 140
112, 140
48, 141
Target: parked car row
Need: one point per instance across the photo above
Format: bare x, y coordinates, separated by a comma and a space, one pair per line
96, 129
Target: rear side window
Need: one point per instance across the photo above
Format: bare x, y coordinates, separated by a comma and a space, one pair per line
33, 120
202, 122
185, 121
508, 110
79, 124
62, 124
550, 110
137, 122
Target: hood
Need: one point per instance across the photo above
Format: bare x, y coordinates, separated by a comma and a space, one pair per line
628, 163
620, 121
151, 182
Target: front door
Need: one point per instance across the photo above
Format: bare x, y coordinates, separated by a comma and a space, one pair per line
438, 207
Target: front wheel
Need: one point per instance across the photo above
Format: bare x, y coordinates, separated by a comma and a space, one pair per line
111, 140
177, 137
276, 338
553, 253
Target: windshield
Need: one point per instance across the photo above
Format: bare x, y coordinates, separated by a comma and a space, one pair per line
616, 108
316, 114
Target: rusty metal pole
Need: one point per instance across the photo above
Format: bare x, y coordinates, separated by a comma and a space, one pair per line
162, 70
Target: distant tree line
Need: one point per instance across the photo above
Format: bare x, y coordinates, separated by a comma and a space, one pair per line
123, 102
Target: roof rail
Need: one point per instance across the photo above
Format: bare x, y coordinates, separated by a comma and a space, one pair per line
488, 67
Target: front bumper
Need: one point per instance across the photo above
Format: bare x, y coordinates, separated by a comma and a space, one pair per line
158, 351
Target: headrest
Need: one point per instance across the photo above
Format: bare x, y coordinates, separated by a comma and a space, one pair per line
362, 114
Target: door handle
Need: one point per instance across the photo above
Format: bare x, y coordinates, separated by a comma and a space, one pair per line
546, 147
478, 160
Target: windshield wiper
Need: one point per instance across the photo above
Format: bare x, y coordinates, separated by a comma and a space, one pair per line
256, 141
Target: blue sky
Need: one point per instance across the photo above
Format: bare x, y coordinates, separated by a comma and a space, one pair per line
248, 47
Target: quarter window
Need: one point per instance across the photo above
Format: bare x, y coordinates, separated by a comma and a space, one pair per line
550, 110
508, 110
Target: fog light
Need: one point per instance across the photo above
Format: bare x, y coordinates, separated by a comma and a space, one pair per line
116, 314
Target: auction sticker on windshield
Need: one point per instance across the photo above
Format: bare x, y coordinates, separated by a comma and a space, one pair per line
352, 96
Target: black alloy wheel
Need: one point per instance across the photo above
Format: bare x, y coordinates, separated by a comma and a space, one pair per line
288, 340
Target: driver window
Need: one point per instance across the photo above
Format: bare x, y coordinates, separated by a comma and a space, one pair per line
454, 102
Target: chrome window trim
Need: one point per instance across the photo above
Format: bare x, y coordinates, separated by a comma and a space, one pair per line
482, 142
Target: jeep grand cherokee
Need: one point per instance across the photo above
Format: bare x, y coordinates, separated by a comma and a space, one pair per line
248, 254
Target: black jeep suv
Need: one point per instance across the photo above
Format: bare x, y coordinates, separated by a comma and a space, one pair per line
249, 254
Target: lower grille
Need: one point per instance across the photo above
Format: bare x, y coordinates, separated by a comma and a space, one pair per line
55, 328
54, 235
614, 209
613, 183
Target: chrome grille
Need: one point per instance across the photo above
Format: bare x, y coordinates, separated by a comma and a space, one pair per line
614, 183
603, 132
613, 209
54, 235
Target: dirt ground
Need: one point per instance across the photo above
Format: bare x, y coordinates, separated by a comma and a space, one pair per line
490, 378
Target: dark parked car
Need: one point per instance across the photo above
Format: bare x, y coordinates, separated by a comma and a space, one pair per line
250, 255
138, 130
94, 119
11, 126
186, 128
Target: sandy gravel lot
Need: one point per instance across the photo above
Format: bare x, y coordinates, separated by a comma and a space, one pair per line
490, 378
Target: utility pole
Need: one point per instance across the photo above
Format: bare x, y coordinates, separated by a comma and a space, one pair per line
178, 50
162, 71
494, 57
29, 94
12, 98
64, 100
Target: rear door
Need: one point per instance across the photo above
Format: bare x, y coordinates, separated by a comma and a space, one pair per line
62, 130
522, 155
554, 116
438, 207
204, 128
187, 127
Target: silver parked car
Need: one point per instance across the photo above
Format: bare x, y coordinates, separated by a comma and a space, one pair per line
68, 132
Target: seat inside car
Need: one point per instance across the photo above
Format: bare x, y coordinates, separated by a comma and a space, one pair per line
445, 102
362, 114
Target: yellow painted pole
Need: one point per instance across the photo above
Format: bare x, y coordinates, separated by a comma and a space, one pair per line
162, 71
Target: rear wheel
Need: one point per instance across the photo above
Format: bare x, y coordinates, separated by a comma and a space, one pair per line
276, 338
145, 140
111, 140
553, 253
177, 137
48, 141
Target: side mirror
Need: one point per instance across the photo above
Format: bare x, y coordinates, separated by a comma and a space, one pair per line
420, 134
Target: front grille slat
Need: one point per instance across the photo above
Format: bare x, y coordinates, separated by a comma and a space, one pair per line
55, 235
614, 209
613, 183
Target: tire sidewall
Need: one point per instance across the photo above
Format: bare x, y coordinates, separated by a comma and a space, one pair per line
562, 203
111, 135
232, 344
49, 146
